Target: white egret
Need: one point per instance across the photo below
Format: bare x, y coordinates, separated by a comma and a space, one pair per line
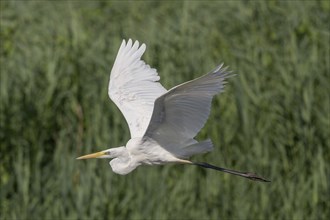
162, 123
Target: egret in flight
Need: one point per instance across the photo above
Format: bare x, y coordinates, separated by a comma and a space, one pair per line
162, 123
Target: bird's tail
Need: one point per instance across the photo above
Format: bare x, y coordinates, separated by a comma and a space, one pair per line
198, 148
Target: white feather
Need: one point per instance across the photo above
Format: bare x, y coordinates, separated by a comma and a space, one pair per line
134, 86
181, 113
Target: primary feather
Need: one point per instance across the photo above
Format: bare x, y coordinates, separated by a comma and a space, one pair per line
134, 86
181, 113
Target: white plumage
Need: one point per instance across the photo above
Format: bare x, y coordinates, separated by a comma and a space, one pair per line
162, 123
134, 87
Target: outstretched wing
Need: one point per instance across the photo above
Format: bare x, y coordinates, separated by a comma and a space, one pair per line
134, 87
180, 113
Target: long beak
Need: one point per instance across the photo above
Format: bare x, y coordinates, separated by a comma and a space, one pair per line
94, 155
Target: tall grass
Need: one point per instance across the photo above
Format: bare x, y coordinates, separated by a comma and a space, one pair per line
273, 118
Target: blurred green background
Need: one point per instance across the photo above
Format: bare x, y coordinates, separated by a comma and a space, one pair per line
273, 118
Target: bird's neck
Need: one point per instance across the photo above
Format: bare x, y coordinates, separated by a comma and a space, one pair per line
122, 162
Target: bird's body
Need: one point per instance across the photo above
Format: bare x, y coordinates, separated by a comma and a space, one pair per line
162, 123
140, 151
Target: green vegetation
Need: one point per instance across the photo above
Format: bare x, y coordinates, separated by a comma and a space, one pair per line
273, 118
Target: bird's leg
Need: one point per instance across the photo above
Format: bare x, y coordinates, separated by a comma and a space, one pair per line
251, 176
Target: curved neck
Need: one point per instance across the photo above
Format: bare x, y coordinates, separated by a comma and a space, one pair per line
122, 163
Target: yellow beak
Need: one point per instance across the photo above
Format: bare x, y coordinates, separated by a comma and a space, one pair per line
94, 155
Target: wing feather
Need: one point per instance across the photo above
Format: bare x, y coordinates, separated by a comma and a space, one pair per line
134, 87
180, 113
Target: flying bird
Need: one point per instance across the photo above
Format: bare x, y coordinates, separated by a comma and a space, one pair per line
162, 123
